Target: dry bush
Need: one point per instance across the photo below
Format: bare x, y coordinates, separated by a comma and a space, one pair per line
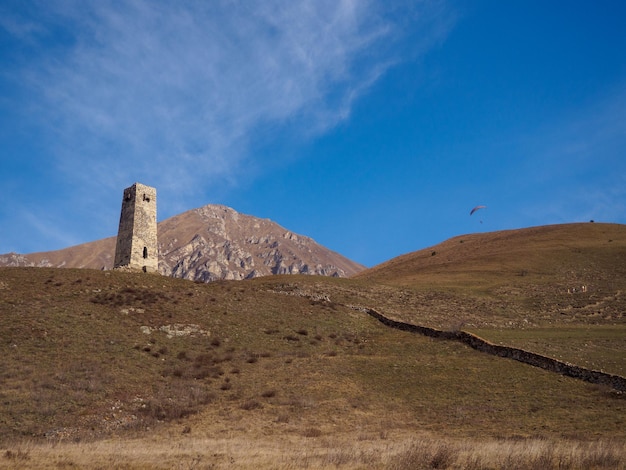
227, 357
312, 432
130, 296
250, 404
175, 402
215, 372
16, 455
426, 454
177, 372
203, 366
204, 359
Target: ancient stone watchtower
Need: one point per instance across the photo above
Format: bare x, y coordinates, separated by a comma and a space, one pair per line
137, 247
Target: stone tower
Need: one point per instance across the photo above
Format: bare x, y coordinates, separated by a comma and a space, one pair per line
137, 246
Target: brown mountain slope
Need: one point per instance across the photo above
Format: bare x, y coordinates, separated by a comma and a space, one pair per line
209, 243
93, 255
567, 253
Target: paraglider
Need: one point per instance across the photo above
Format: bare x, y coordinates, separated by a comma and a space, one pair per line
476, 208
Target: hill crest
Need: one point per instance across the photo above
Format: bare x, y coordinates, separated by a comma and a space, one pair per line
570, 251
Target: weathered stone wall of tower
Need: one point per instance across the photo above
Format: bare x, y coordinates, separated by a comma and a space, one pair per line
137, 245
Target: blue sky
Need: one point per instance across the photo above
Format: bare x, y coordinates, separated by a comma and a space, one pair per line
373, 127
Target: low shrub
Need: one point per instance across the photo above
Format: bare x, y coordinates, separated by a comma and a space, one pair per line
175, 402
250, 404
312, 432
18, 454
425, 455
252, 359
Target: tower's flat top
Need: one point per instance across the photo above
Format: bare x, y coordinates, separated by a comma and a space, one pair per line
142, 186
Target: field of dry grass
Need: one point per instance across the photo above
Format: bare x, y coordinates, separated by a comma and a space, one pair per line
120, 370
393, 452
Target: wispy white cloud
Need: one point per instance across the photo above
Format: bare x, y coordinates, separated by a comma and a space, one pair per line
173, 92
179, 94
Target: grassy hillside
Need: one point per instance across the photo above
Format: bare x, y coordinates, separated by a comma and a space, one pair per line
284, 363
567, 255
557, 290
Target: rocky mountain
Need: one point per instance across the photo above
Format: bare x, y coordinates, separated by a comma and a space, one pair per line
207, 244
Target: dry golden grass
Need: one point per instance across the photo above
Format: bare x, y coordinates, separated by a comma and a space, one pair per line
346, 451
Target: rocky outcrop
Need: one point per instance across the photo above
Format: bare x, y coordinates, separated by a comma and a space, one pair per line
210, 243
14, 260
220, 243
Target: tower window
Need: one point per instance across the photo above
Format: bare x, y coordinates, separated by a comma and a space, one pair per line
145, 252
146, 198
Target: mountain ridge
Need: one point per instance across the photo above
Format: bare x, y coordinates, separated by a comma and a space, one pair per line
209, 243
